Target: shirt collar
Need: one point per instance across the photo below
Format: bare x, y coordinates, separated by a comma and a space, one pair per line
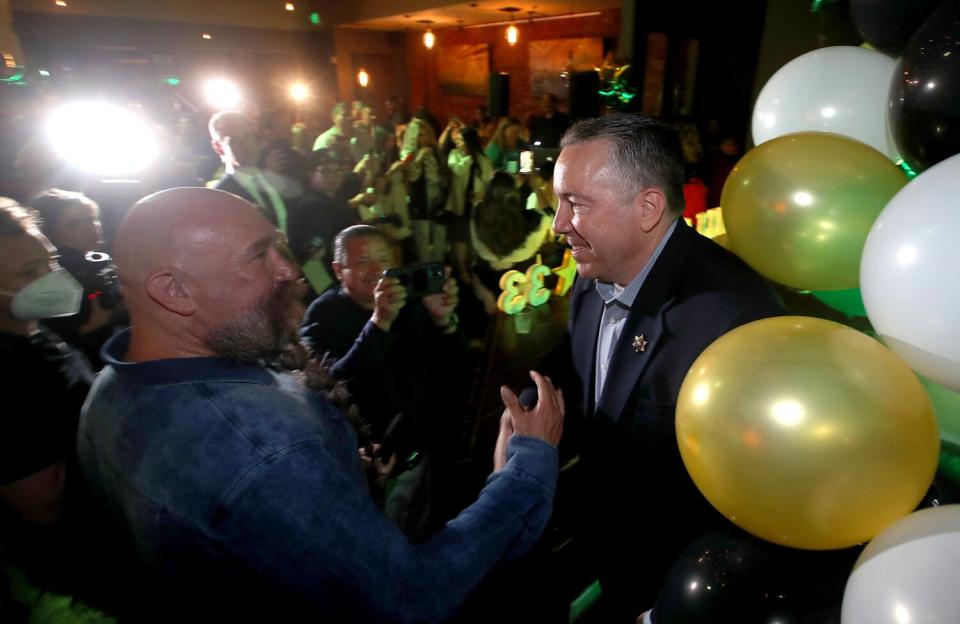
178, 370
625, 297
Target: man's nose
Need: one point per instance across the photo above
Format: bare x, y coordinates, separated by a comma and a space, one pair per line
286, 269
561, 220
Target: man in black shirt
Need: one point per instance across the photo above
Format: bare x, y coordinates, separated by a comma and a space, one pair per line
49, 378
547, 129
399, 356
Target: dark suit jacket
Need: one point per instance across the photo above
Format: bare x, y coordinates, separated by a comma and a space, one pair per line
641, 506
413, 368
229, 184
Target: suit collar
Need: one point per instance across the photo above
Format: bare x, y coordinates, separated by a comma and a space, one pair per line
645, 323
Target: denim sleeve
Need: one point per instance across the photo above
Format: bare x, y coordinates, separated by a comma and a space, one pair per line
300, 521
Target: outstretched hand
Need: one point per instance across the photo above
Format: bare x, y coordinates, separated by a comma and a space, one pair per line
545, 420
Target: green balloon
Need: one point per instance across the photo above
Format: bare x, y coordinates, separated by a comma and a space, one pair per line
847, 301
947, 479
946, 407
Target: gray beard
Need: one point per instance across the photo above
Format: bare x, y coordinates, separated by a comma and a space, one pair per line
262, 336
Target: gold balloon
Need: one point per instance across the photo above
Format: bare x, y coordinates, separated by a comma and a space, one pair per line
806, 432
798, 208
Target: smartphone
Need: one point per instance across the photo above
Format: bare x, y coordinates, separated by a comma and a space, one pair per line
419, 279
526, 161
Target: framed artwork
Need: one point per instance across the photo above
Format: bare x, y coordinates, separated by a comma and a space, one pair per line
463, 69
552, 61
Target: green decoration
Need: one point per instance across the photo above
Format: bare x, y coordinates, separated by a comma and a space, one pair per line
847, 301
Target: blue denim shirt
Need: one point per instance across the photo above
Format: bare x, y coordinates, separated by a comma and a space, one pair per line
217, 469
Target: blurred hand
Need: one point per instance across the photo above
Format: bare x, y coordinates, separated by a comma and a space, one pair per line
375, 466
399, 164
277, 161
389, 298
545, 420
366, 198
442, 305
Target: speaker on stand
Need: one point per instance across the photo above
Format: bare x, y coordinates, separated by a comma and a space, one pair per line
498, 95
584, 94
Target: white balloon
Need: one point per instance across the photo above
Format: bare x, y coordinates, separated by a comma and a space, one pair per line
841, 89
910, 273
908, 574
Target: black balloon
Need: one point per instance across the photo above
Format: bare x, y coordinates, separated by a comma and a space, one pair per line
731, 576
888, 24
924, 109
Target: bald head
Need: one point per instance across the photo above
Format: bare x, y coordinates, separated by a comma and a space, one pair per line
172, 227
191, 259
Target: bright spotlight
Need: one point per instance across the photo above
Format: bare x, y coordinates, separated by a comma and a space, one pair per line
102, 138
513, 34
222, 93
299, 92
363, 77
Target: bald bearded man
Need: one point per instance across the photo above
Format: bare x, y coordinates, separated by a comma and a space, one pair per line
213, 440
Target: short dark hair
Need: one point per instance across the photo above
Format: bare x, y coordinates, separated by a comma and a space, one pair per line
471, 138
646, 152
15, 220
501, 221
52, 203
353, 233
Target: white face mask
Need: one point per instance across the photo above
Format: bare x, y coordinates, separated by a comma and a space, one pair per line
55, 294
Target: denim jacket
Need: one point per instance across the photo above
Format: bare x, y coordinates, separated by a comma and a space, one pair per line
239, 475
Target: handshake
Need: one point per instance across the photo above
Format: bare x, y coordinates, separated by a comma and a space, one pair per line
536, 414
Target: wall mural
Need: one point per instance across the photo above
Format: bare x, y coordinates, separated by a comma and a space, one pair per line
463, 69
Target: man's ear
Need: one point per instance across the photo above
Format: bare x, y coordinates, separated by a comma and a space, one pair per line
337, 270
652, 205
169, 289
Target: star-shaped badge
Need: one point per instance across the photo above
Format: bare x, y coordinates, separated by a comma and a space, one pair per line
639, 343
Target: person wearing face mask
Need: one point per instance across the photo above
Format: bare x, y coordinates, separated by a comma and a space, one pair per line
71, 221
52, 378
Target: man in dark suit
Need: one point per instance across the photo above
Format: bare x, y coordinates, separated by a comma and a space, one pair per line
652, 294
234, 138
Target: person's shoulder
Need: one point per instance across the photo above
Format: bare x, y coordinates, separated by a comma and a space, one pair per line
718, 279
334, 312
330, 302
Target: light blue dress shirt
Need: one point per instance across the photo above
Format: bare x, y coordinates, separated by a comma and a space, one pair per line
617, 300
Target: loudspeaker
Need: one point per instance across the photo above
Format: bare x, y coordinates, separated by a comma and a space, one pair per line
498, 95
584, 94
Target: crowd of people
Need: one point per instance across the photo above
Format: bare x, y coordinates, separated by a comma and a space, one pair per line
276, 415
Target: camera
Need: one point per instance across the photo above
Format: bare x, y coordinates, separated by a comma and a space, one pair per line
96, 273
419, 279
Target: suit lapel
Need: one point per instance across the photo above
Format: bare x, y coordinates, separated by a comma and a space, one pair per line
646, 318
627, 362
584, 339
